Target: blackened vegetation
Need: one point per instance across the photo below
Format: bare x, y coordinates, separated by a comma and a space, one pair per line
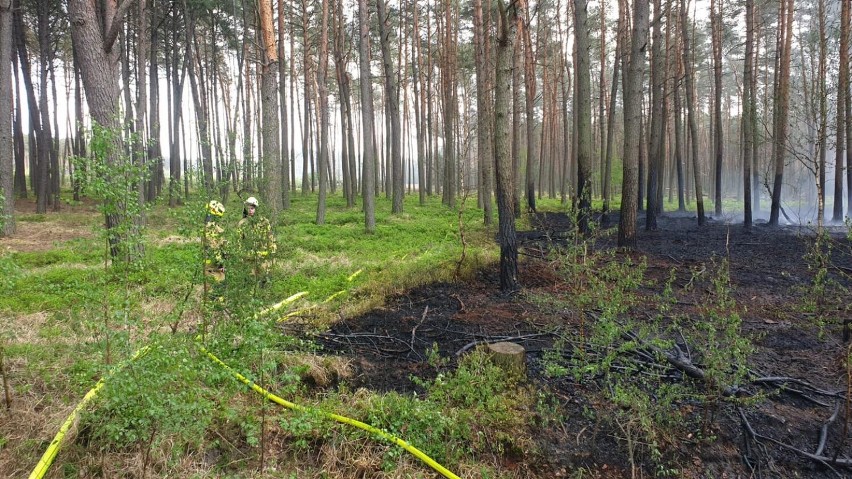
796, 424
391, 344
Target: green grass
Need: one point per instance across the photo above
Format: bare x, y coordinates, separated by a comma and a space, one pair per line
76, 304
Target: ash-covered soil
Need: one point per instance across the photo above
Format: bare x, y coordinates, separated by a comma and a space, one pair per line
769, 275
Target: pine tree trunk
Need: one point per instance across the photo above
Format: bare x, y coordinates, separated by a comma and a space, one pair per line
530, 90
18, 134
139, 157
322, 91
155, 155
822, 133
307, 179
516, 125
656, 148
748, 123
506, 24
584, 115
143, 48
567, 126
37, 157
419, 105
602, 112
7, 153
367, 118
678, 118
178, 71
690, 112
610, 123
485, 122
282, 98
195, 68
94, 32
448, 103
848, 132
716, 27
293, 114
392, 96
56, 170
271, 150
633, 67
48, 167
782, 102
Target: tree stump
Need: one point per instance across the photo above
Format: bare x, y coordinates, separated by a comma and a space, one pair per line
510, 357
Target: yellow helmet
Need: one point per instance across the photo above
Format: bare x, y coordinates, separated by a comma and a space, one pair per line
215, 208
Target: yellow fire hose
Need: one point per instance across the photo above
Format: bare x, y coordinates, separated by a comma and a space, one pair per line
53, 449
336, 417
280, 304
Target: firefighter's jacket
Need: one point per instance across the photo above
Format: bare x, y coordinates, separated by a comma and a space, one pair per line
256, 236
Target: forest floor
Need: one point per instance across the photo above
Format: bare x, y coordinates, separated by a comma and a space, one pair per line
769, 279
774, 434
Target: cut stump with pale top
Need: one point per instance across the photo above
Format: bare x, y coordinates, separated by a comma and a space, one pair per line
510, 357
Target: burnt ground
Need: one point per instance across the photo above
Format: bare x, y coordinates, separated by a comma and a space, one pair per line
769, 277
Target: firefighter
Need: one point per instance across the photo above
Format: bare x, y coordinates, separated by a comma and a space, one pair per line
213, 241
258, 243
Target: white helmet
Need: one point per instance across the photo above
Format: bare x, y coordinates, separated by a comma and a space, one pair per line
251, 201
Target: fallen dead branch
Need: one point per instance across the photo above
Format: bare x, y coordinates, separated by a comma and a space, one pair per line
782, 381
414, 329
823, 433
677, 359
369, 337
824, 460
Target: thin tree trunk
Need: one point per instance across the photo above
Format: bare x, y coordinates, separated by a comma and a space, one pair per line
690, 112
719, 142
155, 155
448, 86
759, 148
516, 126
293, 114
139, 158
282, 98
656, 148
56, 170
307, 179
602, 113
20, 178
37, 157
782, 101
485, 122
749, 125
678, 118
567, 150
178, 71
395, 176
610, 124
367, 118
195, 68
48, 168
530, 81
322, 91
420, 100
844, 66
